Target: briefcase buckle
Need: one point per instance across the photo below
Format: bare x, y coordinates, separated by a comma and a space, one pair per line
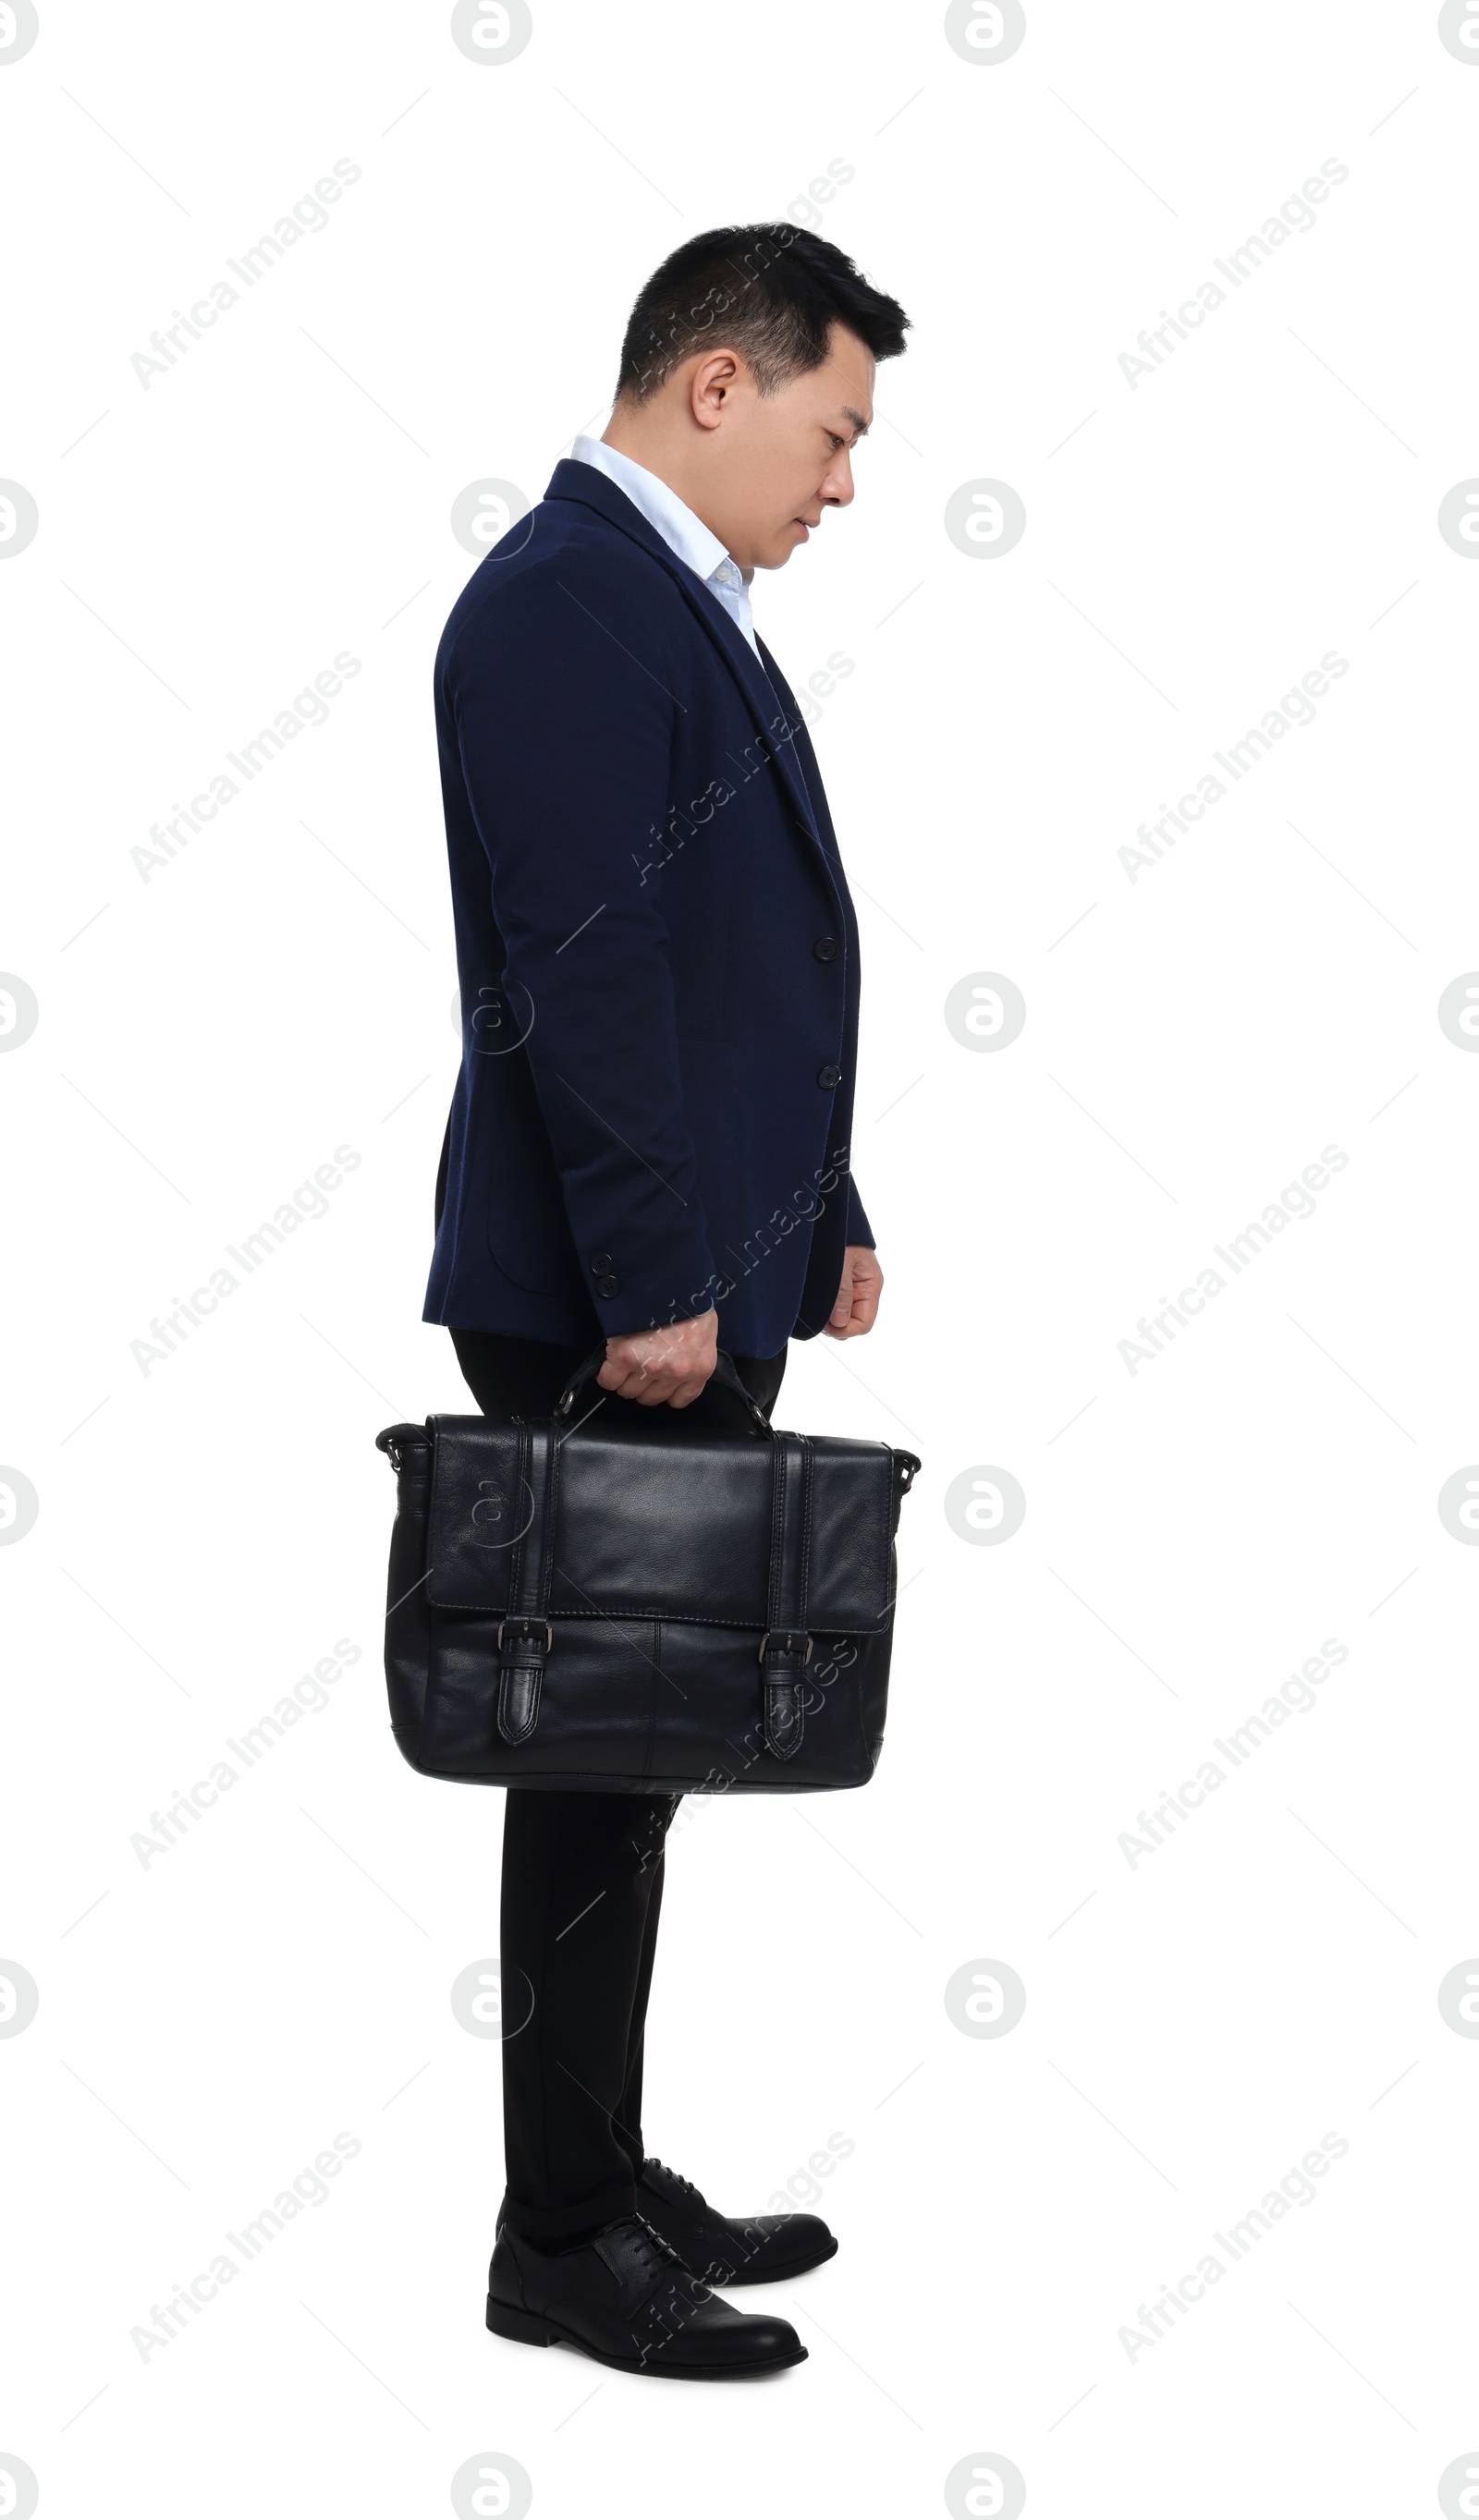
787, 1648
525, 1638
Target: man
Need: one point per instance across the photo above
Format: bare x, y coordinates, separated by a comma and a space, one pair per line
649, 1137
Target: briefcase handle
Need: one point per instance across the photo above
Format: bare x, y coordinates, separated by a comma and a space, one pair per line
725, 1371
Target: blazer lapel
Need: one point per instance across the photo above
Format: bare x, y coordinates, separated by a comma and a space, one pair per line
770, 702
806, 751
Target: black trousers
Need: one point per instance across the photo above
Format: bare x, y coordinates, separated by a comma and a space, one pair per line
582, 1891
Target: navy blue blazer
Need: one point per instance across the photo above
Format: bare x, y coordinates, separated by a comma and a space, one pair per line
656, 948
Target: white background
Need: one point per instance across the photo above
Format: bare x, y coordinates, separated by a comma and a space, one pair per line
1195, 1529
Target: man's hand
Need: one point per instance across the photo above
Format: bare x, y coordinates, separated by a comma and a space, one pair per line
857, 1307
671, 1365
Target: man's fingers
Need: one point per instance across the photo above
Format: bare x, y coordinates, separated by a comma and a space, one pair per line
672, 1366
858, 1319
643, 1386
857, 1307
656, 1386
687, 1392
679, 1391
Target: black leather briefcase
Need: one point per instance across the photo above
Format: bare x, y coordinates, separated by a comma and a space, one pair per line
635, 1608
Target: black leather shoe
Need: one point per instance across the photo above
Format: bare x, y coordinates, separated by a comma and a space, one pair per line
719, 2249
627, 2299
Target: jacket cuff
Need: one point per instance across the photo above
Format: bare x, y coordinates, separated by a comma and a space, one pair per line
634, 1291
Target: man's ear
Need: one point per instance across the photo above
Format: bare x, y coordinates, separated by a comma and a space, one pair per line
712, 385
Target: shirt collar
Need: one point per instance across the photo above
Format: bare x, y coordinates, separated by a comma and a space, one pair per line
669, 514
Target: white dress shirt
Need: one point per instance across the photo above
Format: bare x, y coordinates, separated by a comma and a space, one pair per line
681, 530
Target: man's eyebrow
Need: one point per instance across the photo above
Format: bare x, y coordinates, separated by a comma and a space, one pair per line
856, 417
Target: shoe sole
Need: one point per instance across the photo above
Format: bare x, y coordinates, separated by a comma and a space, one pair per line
773, 2274
523, 2328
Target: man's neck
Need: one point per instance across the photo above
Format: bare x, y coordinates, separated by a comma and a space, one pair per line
656, 455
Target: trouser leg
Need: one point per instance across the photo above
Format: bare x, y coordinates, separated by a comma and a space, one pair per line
583, 1890
581, 1894
652, 1833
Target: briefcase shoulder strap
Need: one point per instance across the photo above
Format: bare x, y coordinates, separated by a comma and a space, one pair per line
786, 1646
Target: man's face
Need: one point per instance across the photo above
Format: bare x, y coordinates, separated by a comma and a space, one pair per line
785, 457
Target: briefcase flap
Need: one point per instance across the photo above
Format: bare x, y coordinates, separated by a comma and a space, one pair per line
670, 1525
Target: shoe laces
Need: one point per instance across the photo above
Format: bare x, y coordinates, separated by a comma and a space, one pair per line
654, 2254
685, 2184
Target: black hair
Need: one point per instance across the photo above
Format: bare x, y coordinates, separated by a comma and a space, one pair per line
772, 293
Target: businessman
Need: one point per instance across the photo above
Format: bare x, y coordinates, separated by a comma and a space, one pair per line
649, 1134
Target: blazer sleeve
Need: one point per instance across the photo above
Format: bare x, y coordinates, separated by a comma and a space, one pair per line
565, 725
858, 1230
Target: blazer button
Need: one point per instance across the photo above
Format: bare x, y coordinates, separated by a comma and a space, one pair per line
601, 1261
825, 949
606, 1287
828, 1077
